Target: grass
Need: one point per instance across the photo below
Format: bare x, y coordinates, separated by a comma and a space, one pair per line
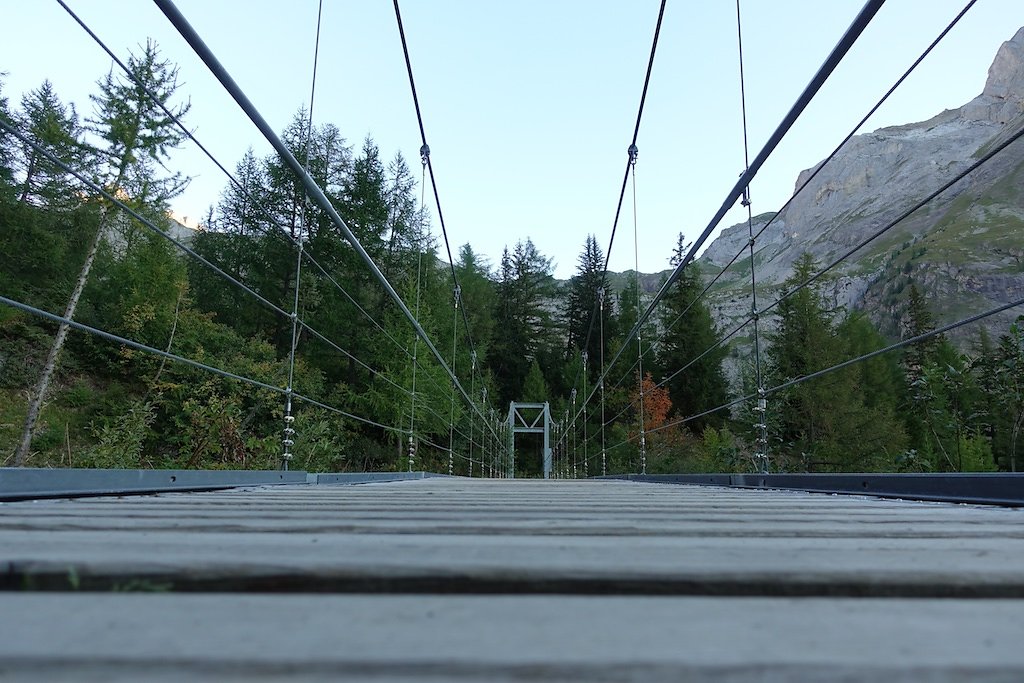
64, 430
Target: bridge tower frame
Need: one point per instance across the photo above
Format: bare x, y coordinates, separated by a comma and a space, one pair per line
520, 422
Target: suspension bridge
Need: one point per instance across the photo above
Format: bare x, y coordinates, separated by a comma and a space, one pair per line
458, 568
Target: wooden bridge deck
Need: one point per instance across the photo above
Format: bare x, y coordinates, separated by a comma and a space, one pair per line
454, 579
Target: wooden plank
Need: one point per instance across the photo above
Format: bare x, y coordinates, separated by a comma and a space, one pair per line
132, 637
643, 582
452, 535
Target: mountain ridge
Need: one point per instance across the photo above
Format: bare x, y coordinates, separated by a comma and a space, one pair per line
964, 250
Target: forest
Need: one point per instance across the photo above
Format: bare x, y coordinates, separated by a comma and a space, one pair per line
316, 360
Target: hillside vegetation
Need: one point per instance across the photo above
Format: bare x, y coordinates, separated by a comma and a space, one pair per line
362, 387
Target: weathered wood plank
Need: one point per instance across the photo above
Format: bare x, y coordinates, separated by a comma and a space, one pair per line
132, 637
493, 536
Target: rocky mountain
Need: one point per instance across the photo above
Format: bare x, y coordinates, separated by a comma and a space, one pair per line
965, 249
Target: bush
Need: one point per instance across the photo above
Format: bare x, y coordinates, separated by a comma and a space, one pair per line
23, 350
121, 440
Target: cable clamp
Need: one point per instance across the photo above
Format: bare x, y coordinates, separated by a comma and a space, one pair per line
745, 199
632, 152
751, 242
425, 154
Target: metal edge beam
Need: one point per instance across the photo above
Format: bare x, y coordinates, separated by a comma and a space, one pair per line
28, 483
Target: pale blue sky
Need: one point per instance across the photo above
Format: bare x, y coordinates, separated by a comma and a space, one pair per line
529, 106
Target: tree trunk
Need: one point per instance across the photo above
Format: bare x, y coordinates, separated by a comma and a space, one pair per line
39, 395
1013, 441
28, 179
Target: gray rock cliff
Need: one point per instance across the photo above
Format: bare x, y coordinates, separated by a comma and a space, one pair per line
965, 249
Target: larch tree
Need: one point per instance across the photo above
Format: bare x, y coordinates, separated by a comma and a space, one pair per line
524, 291
136, 136
588, 290
689, 331
7, 147
828, 423
1011, 381
50, 124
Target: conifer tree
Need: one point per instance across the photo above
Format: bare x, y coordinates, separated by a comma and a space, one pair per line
54, 126
6, 145
403, 213
828, 423
137, 134
588, 289
1011, 382
524, 288
689, 331
477, 299
535, 389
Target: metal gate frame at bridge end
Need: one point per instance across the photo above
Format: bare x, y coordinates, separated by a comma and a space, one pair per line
519, 423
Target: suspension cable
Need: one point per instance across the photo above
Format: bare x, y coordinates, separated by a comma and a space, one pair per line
586, 441
205, 54
109, 336
430, 167
424, 156
243, 188
604, 457
844, 45
625, 175
451, 417
288, 439
854, 361
639, 343
821, 166
760, 409
90, 184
